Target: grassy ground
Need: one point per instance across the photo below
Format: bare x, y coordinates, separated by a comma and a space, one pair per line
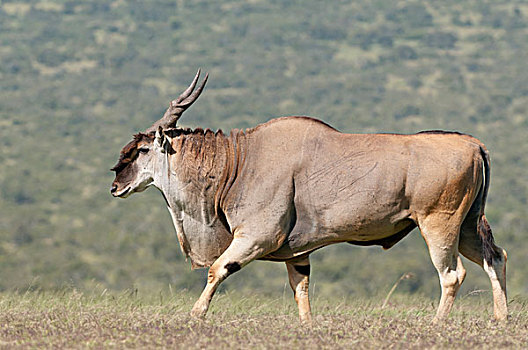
71, 319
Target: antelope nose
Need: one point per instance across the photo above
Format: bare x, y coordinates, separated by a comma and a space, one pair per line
113, 188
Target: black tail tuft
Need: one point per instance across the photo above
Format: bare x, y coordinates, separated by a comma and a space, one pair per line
489, 248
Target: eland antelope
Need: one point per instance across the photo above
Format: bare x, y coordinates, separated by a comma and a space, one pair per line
290, 186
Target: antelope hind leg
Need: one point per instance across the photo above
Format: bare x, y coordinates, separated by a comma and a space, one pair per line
299, 277
441, 236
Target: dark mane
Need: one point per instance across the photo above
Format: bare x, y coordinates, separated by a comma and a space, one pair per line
172, 133
175, 132
442, 132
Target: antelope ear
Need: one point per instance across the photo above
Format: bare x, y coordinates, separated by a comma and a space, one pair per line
162, 140
160, 137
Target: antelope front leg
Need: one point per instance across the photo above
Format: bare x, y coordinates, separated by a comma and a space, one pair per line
241, 252
299, 276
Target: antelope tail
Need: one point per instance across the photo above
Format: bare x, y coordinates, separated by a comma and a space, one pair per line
490, 250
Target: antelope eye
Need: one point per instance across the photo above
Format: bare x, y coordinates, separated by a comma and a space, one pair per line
143, 150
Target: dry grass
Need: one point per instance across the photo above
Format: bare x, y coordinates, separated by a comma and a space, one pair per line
71, 319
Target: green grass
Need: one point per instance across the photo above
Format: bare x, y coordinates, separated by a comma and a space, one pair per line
71, 319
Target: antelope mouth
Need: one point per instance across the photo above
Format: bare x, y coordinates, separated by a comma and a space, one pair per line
122, 194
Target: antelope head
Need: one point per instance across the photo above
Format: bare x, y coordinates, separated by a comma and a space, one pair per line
139, 161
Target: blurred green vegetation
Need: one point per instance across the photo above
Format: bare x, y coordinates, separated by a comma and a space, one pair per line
77, 79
